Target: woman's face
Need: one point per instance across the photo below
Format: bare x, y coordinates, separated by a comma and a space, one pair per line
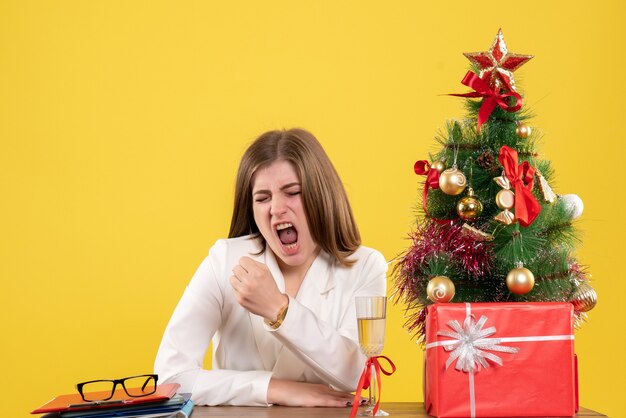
279, 214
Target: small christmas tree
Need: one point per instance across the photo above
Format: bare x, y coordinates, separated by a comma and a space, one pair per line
493, 229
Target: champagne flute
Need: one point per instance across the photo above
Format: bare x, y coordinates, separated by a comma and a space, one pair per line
371, 315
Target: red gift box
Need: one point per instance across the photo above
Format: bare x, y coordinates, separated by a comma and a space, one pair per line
500, 360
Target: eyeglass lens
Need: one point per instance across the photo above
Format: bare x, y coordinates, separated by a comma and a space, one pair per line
140, 385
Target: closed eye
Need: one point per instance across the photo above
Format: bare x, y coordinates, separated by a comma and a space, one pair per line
262, 196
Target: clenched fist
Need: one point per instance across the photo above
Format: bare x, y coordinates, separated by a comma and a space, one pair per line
255, 289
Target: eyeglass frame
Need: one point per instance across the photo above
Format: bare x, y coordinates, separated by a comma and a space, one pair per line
79, 386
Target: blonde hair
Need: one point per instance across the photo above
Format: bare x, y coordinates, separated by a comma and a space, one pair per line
324, 198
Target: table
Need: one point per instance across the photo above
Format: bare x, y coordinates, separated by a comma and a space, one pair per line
396, 409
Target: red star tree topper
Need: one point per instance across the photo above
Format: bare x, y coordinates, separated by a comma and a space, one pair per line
497, 64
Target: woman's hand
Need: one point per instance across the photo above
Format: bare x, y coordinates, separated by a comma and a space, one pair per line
256, 290
288, 393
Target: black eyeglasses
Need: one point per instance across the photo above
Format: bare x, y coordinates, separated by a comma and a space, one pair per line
102, 390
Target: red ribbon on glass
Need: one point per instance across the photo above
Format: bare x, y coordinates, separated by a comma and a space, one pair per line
522, 179
492, 98
365, 380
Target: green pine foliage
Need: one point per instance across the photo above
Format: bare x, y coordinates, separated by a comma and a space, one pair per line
545, 247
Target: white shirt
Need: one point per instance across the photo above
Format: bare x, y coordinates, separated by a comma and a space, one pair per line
317, 342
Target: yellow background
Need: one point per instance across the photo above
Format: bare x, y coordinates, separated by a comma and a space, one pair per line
122, 123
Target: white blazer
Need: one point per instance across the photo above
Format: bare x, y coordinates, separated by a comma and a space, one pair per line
317, 342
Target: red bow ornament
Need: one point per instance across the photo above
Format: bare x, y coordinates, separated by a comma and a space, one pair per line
522, 179
365, 380
492, 98
423, 168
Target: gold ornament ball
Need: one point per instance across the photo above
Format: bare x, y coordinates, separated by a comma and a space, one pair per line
440, 289
505, 199
523, 131
438, 165
469, 208
520, 280
585, 298
452, 181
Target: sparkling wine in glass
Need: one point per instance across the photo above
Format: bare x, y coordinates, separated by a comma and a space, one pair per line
371, 316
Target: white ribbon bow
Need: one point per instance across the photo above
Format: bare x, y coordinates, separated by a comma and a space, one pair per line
470, 345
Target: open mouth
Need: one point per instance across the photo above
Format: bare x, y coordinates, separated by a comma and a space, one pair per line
288, 235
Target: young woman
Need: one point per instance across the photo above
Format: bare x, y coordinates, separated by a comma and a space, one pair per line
277, 297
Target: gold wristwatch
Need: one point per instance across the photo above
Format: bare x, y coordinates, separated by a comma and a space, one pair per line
280, 317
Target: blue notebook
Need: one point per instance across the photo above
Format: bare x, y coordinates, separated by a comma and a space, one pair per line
180, 406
